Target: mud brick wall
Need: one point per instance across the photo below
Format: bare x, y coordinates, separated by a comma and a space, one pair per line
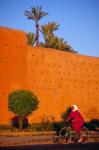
13, 67
59, 79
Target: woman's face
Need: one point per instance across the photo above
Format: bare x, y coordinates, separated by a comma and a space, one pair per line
73, 107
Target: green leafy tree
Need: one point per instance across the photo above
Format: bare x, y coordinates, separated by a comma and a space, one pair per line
36, 14
22, 103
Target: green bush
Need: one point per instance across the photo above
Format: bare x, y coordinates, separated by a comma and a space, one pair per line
57, 126
65, 114
39, 127
92, 124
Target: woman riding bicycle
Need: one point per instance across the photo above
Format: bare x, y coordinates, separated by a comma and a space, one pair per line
77, 120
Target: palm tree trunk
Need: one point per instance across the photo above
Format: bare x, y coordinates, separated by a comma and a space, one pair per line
37, 34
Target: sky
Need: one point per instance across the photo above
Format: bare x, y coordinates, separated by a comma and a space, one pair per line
78, 20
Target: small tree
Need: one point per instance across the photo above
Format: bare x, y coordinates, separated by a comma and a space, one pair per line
22, 103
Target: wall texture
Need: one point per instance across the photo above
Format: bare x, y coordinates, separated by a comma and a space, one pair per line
13, 67
59, 79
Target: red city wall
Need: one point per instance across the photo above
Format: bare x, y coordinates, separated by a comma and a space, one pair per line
13, 67
59, 79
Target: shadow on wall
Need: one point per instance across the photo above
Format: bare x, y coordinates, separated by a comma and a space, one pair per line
15, 122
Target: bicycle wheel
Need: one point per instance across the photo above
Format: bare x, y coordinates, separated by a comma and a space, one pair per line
74, 137
64, 134
84, 134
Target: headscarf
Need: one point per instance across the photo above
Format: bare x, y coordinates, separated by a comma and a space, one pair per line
75, 108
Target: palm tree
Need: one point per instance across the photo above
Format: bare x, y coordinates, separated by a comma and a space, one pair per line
53, 26
48, 33
52, 41
36, 14
31, 38
63, 45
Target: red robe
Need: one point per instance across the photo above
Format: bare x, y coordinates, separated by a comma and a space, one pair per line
77, 122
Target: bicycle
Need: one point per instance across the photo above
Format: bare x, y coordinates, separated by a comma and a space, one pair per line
67, 134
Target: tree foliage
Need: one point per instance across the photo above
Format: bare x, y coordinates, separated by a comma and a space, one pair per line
36, 14
50, 40
48, 34
22, 103
65, 114
31, 38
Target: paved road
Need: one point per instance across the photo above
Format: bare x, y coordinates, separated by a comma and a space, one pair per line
88, 146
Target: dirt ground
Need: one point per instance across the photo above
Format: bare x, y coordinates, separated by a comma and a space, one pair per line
26, 138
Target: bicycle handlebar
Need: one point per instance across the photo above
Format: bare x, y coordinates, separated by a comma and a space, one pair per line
68, 123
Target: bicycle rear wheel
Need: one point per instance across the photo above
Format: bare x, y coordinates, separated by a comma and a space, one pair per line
74, 137
64, 134
84, 134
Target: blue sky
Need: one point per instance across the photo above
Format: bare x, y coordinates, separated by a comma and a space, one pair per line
78, 20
